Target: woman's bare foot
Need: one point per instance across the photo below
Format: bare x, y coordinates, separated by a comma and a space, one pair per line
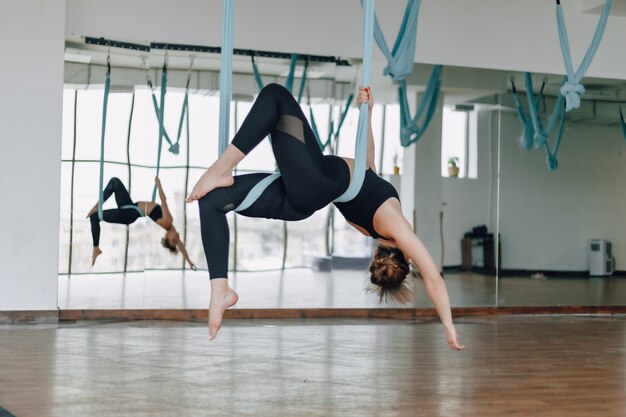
222, 297
213, 178
220, 174
95, 254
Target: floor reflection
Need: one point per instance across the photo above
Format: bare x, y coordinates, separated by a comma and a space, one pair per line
295, 288
562, 291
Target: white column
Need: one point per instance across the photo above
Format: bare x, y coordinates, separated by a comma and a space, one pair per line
32, 36
427, 185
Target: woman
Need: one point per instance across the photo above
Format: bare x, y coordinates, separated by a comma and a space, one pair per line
309, 181
126, 213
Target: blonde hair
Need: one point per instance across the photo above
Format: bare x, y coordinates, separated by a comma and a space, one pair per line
388, 272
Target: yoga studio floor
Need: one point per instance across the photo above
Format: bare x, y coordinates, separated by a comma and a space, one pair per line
513, 366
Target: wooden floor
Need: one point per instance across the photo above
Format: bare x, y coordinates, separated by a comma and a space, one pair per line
513, 366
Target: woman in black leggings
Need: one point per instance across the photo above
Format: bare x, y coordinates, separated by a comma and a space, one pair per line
310, 181
126, 213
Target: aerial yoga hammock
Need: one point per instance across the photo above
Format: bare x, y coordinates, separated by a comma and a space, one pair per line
399, 66
534, 133
174, 146
622, 122
127, 211
572, 89
308, 181
332, 131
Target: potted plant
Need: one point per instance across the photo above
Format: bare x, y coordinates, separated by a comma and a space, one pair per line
396, 168
453, 167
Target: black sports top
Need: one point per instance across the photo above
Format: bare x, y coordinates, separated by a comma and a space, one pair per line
156, 213
360, 210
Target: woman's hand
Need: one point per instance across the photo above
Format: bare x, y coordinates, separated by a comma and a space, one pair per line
157, 181
365, 96
452, 338
192, 266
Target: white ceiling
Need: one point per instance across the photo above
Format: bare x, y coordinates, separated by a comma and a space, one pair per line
488, 34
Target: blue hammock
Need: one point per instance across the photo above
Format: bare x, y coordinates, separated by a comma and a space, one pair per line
572, 89
290, 77
543, 133
105, 102
622, 122
332, 132
174, 146
528, 131
161, 128
399, 65
411, 129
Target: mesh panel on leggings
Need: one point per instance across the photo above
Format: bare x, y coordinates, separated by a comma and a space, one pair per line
291, 125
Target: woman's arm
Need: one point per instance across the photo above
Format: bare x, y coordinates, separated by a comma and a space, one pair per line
392, 223
181, 247
415, 250
366, 96
167, 216
371, 148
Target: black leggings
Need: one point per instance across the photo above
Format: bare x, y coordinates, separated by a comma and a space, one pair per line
118, 215
309, 180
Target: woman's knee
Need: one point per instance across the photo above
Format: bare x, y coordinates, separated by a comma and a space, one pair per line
115, 182
275, 91
274, 88
213, 202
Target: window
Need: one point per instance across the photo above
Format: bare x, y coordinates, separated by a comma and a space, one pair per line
459, 142
130, 154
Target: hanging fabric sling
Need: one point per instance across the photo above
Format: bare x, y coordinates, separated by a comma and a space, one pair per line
332, 132
572, 89
360, 159
400, 65
542, 134
411, 129
362, 135
257, 74
622, 122
290, 77
226, 74
528, 131
292, 72
161, 128
174, 146
105, 102
303, 80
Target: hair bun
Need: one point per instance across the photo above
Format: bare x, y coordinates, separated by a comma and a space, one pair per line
388, 271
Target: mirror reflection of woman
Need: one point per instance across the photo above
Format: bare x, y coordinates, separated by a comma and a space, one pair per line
126, 213
310, 181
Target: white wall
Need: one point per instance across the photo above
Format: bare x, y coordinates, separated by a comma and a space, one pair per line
479, 33
31, 82
548, 217
428, 186
470, 202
